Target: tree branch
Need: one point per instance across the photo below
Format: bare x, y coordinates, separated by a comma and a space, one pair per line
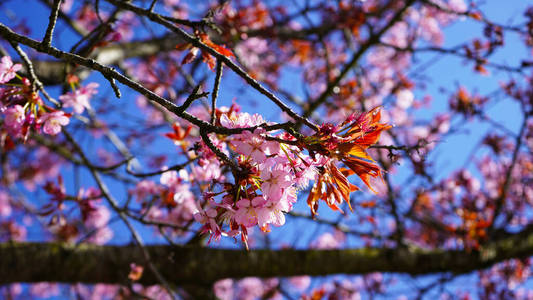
372, 40
47, 40
55, 262
110, 73
220, 57
53, 72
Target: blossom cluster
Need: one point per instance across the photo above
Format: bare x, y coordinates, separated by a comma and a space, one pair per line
265, 188
268, 172
233, 184
21, 106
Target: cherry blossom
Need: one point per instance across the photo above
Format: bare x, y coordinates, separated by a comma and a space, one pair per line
44, 290
53, 122
318, 93
275, 181
145, 188
5, 206
79, 99
14, 119
251, 145
8, 70
224, 290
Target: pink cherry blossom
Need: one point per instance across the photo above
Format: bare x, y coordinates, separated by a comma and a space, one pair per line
257, 56
169, 178
175, 182
208, 167
457, 5
329, 240
171, 2
44, 290
79, 99
86, 16
251, 145
53, 122
14, 231
304, 175
8, 69
157, 292
275, 180
405, 98
241, 120
182, 194
5, 206
145, 188
15, 289
66, 5
124, 26
273, 211
98, 217
204, 216
101, 236
45, 165
250, 288
207, 218
246, 214
300, 283
97, 292
271, 214
14, 119
224, 289
208, 171
178, 8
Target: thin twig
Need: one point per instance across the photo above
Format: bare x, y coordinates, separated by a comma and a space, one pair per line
373, 39
234, 167
152, 5
8, 34
75, 26
508, 174
149, 174
114, 86
47, 40
193, 96
97, 10
31, 73
197, 43
114, 204
214, 94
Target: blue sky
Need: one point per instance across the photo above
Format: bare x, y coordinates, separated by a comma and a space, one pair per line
446, 73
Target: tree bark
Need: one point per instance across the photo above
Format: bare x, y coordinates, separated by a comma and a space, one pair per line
55, 262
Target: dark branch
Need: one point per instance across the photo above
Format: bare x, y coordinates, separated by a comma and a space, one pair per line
111, 264
230, 64
108, 72
47, 40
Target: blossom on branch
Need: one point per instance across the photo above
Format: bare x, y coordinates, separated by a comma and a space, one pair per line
53, 122
8, 70
79, 99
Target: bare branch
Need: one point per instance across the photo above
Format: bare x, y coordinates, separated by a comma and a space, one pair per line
47, 40
214, 94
